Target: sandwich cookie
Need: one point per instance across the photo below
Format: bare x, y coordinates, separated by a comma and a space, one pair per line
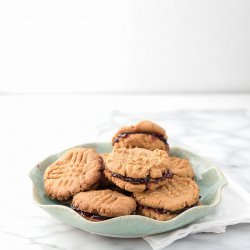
77, 170
168, 201
99, 205
181, 167
137, 169
145, 134
104, 181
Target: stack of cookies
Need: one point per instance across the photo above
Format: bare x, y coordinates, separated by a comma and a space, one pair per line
139, 176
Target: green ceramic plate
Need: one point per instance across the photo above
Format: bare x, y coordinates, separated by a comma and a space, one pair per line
209, 178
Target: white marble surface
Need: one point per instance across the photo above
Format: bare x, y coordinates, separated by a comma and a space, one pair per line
32, 127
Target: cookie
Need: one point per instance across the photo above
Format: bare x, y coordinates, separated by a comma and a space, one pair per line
181, 167
76, 170
145, 134
98, 205
137, 169
168, 201
104, 181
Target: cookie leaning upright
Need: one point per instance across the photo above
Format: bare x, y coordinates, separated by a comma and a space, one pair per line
167, 201
181, 167
144, 134
76, 170
137, 169
97, 205
104, 181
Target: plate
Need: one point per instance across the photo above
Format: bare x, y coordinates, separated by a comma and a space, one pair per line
209, 178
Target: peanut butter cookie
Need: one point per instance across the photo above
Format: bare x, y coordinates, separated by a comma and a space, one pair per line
76, 170
181, 167
104, 181
145, 134
98, 205
137, 169
169, 200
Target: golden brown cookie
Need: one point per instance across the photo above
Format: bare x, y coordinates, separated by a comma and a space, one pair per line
98, 205
76, 170
137, 169
166, 202
181, 167
145, 134
104, 181
154, 214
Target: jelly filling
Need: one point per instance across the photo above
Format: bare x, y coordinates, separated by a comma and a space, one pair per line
90, 215
126, 134
166, 211
166, 175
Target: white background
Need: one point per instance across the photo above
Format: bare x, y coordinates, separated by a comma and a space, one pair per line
124, 46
